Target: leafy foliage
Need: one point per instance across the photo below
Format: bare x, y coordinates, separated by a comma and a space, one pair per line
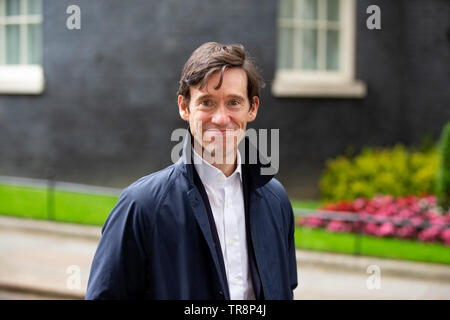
443, 176
395, 171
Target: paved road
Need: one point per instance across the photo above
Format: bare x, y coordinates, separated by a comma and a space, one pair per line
326, 283
45, 261
14, 295
40, 260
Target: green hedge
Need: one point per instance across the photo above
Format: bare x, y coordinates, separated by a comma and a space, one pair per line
396, 171
443, 176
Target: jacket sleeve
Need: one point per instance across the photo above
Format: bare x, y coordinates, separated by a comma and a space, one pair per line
118, 270
291, 250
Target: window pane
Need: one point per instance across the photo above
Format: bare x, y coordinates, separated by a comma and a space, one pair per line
34, 6
333, 10
285, 48
309, 9
286, 8
12, 7
332, 50
12, 44
34, 43
309, 46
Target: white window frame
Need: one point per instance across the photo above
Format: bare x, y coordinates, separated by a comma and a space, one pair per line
326, 84
22, 78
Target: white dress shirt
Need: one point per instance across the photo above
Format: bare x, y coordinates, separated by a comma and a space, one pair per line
227, 204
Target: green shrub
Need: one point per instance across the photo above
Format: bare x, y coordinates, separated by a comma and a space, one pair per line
395, 171
443, 176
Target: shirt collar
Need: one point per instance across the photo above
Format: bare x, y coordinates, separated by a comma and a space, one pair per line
208, 173
252, 171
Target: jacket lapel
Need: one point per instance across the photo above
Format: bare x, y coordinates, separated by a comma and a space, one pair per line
255, 180
260, 251
202, 220
200, 213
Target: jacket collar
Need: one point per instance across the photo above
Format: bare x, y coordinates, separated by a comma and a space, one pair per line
250, 170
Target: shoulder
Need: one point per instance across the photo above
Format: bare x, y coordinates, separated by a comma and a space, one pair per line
148, 191
276, 189
139, 201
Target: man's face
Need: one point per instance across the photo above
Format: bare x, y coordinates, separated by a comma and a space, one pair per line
218, 118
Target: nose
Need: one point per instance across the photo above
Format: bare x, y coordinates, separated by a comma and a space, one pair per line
220, 116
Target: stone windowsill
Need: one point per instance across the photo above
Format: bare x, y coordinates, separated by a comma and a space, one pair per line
291, 87
21, 79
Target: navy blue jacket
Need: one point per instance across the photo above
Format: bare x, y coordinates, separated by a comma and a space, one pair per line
158, 242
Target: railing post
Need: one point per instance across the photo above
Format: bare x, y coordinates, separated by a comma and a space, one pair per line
50, 176
357, 248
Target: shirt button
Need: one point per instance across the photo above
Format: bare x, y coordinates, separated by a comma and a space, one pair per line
226, 205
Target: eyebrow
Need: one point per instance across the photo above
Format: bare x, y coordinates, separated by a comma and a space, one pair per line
210, 96
236, 96
204, 96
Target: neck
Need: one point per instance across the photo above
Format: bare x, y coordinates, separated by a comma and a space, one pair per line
226, 168
227, 165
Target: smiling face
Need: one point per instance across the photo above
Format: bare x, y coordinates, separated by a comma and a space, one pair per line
218, 117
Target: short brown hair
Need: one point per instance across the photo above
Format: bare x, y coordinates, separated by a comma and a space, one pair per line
213, 56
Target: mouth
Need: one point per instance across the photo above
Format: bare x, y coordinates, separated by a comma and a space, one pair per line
221, 131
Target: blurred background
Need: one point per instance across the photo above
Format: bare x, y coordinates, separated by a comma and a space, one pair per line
361, 98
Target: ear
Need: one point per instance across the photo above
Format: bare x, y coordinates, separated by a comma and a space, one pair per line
253, 109
183, 108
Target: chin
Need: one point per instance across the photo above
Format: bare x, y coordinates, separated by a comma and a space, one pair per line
212, 147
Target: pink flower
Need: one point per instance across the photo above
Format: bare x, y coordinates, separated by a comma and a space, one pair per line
338, 226
391, 209
431, 214
445, 236
359, 204
406, 232
371, 228
370, 209
385, 230
429, 234
314, 222
403, 201
380, 201
405, 213
384, 215
397, 220
382, 212
416, 221
438, 222
430, 200
414, 207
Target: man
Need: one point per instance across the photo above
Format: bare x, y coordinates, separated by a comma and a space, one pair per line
210, 226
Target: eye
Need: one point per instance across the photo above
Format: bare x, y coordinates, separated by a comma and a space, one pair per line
205, 103
234, 102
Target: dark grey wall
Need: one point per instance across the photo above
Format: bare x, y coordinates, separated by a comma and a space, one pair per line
109, 106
